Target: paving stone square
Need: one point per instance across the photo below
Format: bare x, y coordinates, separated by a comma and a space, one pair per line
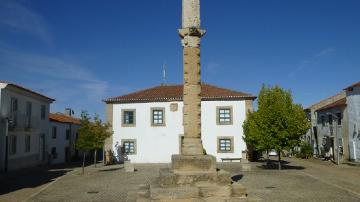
301, 180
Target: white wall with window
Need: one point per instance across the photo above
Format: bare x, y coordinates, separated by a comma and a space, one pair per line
26, 109
151, 132
61, 140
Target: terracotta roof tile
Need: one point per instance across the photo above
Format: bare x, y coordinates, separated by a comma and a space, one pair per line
353, 85
62, 118
175, 93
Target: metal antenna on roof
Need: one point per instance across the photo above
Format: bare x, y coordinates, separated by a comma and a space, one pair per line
164, 75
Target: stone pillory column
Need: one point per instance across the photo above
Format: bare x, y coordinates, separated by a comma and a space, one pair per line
193, 175
192, 157
191, 35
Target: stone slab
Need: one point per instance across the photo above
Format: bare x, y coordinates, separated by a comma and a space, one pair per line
206, 163
238, 190
171, 193
215, 191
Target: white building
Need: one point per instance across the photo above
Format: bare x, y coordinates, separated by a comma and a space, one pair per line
63, 132
148, 124
27, 130
335, 125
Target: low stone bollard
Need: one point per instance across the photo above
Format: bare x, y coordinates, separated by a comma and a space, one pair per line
129, 167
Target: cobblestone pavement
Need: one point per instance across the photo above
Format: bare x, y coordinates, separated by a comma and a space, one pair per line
301, 180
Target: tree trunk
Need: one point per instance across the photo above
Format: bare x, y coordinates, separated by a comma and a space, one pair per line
279, 160
267, 157
83, 164
95, 158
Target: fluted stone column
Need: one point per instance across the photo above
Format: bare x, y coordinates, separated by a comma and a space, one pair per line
191, 35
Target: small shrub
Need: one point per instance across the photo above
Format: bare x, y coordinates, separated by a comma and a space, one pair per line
306, 151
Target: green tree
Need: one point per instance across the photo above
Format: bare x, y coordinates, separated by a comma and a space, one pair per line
278, 124
101, 133
92, 135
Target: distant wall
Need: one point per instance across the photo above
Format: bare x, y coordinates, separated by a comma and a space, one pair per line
353, 102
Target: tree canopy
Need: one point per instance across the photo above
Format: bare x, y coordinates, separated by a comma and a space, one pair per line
277, 124
92, 133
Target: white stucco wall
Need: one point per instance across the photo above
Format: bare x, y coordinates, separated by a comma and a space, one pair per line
156, 144
353, 104
60, 142
22, 158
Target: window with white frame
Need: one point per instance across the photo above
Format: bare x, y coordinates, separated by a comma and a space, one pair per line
27, 143
157, 116
224, 115
129, 146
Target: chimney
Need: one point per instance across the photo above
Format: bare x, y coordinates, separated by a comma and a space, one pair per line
69, 112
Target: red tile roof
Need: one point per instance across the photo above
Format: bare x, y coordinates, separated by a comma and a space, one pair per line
339, 103
175, 93
28, 90
352, 86
62, 118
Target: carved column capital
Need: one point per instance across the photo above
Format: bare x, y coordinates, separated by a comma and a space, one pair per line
191, 37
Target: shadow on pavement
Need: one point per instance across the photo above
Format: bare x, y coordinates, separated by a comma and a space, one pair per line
32, 177
273, 165
236, 178
110, 169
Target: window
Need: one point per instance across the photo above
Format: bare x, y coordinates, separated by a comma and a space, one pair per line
13, 110
129, 146
330, 119
13, 144
28, 114
339, 117
67, 135
54, 130
322, 121
53, 152
224, 115
128, 117
225, 144
43, 112
27, 143
158, 116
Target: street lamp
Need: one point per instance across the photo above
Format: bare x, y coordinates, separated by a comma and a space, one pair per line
336, 136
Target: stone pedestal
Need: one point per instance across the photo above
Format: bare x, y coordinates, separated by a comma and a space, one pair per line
193, 178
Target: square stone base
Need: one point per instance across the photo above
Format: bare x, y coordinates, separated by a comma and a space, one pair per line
193, 178
200, 163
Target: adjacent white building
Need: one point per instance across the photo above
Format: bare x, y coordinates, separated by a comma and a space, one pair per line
335, 122
24, 118
63, 133
148, 124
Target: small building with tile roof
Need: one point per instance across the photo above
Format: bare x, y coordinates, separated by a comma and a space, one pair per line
148, 124
63, 132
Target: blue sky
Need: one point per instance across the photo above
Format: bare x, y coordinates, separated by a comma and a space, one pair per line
80, 52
